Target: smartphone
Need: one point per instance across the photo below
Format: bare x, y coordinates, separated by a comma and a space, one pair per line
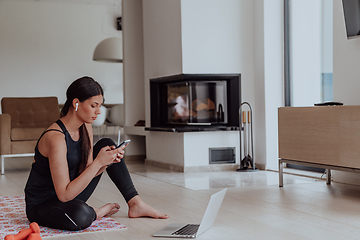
124, 143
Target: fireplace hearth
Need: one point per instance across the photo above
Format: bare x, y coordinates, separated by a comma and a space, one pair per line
195, 102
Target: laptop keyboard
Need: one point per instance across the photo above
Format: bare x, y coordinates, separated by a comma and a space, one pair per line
189, 229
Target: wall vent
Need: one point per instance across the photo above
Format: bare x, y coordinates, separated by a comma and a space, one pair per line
222, 155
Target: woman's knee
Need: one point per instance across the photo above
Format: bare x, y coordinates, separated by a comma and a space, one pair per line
80, 214
73, 215
102, 143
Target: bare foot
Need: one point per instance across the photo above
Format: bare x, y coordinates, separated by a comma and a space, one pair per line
107, 210
137, 208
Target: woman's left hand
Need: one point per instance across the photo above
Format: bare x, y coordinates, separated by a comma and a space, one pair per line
119, 154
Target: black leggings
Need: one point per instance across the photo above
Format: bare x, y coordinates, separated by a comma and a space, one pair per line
76, 214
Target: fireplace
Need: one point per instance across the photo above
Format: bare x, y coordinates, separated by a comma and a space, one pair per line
195, 102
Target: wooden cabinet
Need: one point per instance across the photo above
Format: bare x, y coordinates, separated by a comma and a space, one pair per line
325, 135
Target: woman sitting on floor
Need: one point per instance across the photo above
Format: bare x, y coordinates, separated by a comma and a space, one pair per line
67, 167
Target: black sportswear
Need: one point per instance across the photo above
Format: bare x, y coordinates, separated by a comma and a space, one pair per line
42, 204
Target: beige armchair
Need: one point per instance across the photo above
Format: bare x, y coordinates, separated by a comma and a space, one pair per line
22, 122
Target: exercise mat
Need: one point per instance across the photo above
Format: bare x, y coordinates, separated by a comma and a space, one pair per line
13, 219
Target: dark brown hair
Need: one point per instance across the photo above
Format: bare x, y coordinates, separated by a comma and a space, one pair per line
82, 89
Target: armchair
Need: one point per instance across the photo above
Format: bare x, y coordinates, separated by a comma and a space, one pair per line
22, 122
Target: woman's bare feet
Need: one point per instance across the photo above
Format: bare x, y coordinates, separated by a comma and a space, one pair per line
107, 210
137, 208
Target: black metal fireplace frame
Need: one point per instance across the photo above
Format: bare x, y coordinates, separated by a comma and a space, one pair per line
158, 92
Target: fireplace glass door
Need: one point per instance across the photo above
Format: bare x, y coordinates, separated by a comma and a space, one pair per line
197, 102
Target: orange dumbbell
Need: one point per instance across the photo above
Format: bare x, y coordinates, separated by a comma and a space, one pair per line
34, 236
34, 228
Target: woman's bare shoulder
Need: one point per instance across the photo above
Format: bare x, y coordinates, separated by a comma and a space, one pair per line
52, 137
54, 126
53, 130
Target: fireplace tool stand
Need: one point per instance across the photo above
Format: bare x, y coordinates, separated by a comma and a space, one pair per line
247, 162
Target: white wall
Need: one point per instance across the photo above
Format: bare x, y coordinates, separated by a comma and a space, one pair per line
134, 92
165, 147
197, 144
185, 37
246, 37
217, 37
273, 35
346, 74
258, 106
162, 57
346, 61
162, 42
44, 46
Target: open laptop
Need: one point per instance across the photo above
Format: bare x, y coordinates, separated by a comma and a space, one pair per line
183, 230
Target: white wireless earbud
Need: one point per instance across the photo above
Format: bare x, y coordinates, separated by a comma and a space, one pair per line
76, 106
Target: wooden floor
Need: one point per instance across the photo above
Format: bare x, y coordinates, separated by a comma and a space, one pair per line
254, 206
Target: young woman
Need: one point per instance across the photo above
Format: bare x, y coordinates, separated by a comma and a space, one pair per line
67, 168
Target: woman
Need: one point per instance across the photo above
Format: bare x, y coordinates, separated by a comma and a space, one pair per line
67, 168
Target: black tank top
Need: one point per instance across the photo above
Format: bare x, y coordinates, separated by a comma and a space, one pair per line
39, 186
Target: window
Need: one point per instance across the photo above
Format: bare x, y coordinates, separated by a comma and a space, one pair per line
308, 52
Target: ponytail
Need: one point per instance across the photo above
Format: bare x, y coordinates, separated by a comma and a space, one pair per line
65, 108
85, 144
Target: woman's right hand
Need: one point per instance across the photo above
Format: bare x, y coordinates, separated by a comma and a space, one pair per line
109, 155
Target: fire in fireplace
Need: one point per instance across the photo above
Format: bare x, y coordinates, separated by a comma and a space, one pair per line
195, 102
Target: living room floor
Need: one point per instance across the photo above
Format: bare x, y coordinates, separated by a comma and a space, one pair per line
254, 206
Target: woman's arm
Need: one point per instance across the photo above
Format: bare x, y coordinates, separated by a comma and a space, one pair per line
91, 156
53, 146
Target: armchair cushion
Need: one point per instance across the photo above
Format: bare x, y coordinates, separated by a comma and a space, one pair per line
19, 147
24, 134
23, 120
31, 112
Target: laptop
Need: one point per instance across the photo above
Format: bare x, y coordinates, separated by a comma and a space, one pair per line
183, 230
